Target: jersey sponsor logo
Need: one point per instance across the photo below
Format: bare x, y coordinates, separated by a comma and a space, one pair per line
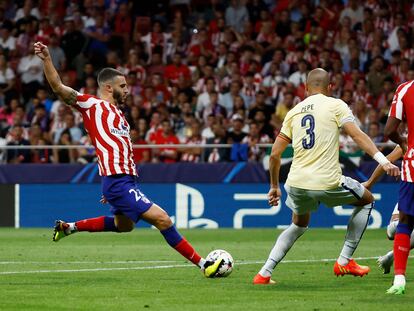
122, 129
119, 132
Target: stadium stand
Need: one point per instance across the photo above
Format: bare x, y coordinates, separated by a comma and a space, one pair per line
199, 71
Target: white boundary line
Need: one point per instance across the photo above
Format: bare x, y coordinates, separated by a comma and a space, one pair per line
85, 262
17, 206
166, 266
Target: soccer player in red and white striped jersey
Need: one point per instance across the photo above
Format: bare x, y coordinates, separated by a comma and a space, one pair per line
109, 133
402, 109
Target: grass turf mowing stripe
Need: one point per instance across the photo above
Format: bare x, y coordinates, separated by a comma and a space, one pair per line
168, 266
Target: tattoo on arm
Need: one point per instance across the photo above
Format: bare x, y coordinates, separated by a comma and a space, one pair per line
70, 99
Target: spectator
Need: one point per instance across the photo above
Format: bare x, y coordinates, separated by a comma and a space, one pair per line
176, 70
167, 136
299, 77
41, 117
90, 87
133, 66
7, 40
98, 36
252, 139
374, 132
229, 98
64, 155
56, 53
25, 38
264, 127
207, 131
213, 155
377, 76
236, 15
193, 154
203, 100
354, 11
260, 105
7, 82
45, 31
156, 41
236, 134
31, 70
141, 155
75, 132
122, 28
214, 108
8, 112
28, 9
18, 155
73, 43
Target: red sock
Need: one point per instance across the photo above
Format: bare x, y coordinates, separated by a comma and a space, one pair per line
401, 252
185, 249
92, 224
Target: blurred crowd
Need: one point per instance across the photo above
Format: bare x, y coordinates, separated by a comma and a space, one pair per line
199, 71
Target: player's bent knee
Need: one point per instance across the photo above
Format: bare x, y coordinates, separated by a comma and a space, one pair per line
164, 222
126, 227
124, 224
157, 217
366, 199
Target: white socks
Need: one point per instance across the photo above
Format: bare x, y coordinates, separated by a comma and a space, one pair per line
356, 228
283, 243
399, 280
201, 263
391, 228
71, 229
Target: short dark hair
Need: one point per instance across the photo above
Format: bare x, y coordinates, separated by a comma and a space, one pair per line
108, 74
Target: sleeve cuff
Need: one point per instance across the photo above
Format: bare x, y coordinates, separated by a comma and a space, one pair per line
284, 137
347, 119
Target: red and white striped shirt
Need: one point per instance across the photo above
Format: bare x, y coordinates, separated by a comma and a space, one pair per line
109, 133
402, 108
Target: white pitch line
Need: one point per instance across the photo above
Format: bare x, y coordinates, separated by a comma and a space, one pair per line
84, 262
169, 266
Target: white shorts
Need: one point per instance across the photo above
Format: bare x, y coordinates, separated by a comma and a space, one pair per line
302, 201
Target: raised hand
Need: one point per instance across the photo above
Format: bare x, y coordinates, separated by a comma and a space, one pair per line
41, 50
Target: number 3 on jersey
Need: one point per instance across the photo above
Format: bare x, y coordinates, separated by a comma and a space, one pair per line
308, 121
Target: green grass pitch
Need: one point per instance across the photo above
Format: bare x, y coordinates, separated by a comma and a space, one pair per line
139, 271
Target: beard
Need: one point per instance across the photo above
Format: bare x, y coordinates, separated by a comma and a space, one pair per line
117, 95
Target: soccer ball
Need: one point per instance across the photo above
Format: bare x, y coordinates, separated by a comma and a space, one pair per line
228, 263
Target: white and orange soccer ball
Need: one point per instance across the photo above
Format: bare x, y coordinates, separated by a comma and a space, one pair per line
226, 266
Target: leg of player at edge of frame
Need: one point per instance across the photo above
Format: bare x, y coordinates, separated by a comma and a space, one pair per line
344, 264
401, 252
386, 261
283, 244
155, 216
355, 230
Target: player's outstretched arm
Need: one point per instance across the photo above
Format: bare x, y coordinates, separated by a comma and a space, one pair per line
278, 147
67, 94
366, 144
378, 172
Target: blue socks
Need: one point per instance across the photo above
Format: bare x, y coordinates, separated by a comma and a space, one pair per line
172, 236
404, 228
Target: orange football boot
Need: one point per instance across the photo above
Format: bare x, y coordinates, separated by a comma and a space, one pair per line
258, 279
351, 268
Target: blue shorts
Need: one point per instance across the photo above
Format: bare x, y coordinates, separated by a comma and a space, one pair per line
406, 199
122, 193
